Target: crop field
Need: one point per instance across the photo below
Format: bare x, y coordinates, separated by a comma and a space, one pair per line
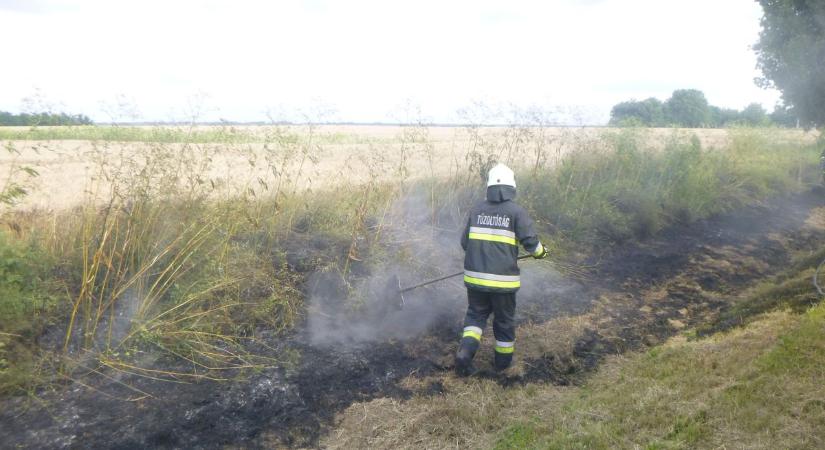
226, 287
69, 159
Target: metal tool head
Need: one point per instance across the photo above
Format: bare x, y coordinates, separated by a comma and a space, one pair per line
394, 289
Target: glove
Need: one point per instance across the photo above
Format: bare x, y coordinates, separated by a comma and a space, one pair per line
540, 252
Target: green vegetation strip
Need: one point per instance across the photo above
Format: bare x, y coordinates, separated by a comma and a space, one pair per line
627, 189
760, 387
174, 134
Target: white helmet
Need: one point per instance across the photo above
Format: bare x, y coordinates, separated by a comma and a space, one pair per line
501, 174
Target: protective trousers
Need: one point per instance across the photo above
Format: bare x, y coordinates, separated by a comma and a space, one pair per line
503, 308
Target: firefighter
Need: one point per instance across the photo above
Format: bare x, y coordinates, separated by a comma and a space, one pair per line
495, 228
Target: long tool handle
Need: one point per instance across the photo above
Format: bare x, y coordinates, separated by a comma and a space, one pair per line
447, 276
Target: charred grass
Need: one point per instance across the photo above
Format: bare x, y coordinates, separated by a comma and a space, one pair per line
176, 276
793, 289
161, 258
757, 385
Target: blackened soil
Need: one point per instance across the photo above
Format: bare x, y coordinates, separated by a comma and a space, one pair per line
684, 277
638, 295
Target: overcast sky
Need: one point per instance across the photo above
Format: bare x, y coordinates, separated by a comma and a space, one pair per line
371, 60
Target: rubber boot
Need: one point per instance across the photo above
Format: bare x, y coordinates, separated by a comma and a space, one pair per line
464, 357
503, 361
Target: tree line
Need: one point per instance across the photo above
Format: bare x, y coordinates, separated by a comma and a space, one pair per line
689, 108
790, 53
42, 119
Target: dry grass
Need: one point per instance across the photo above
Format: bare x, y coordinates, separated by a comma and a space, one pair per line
67, 167
470, 412
745, 388
469, 415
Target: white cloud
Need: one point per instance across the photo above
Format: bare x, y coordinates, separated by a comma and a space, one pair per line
367, 57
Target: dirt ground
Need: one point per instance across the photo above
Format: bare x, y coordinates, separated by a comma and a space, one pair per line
70, 170
634, 295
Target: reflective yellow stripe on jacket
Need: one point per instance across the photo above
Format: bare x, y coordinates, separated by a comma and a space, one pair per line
492, 280
493, 235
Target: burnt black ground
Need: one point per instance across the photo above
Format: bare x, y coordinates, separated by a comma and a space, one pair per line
746, 240
295, 405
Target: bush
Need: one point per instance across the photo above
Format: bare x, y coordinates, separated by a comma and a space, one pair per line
24, 292
622, 187
27, 301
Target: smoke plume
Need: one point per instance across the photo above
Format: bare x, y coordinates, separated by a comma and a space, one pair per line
423, 248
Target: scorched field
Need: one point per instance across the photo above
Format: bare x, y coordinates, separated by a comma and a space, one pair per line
226, 287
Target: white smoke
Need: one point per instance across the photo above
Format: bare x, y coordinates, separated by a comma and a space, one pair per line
423, 249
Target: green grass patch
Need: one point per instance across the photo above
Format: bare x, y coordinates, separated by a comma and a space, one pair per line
521, 436
26, 290
759, 386
28, 301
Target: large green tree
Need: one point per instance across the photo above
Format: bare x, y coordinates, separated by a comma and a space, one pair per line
720, 117
791, 55
755, 115
687, 107
783, 116
690, 108
647, 112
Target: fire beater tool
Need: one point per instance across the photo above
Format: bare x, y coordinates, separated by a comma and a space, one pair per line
395, 284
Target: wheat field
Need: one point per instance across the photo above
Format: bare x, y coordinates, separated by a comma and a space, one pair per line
309, 157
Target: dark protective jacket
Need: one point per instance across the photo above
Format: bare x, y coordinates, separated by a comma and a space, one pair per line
495, 228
